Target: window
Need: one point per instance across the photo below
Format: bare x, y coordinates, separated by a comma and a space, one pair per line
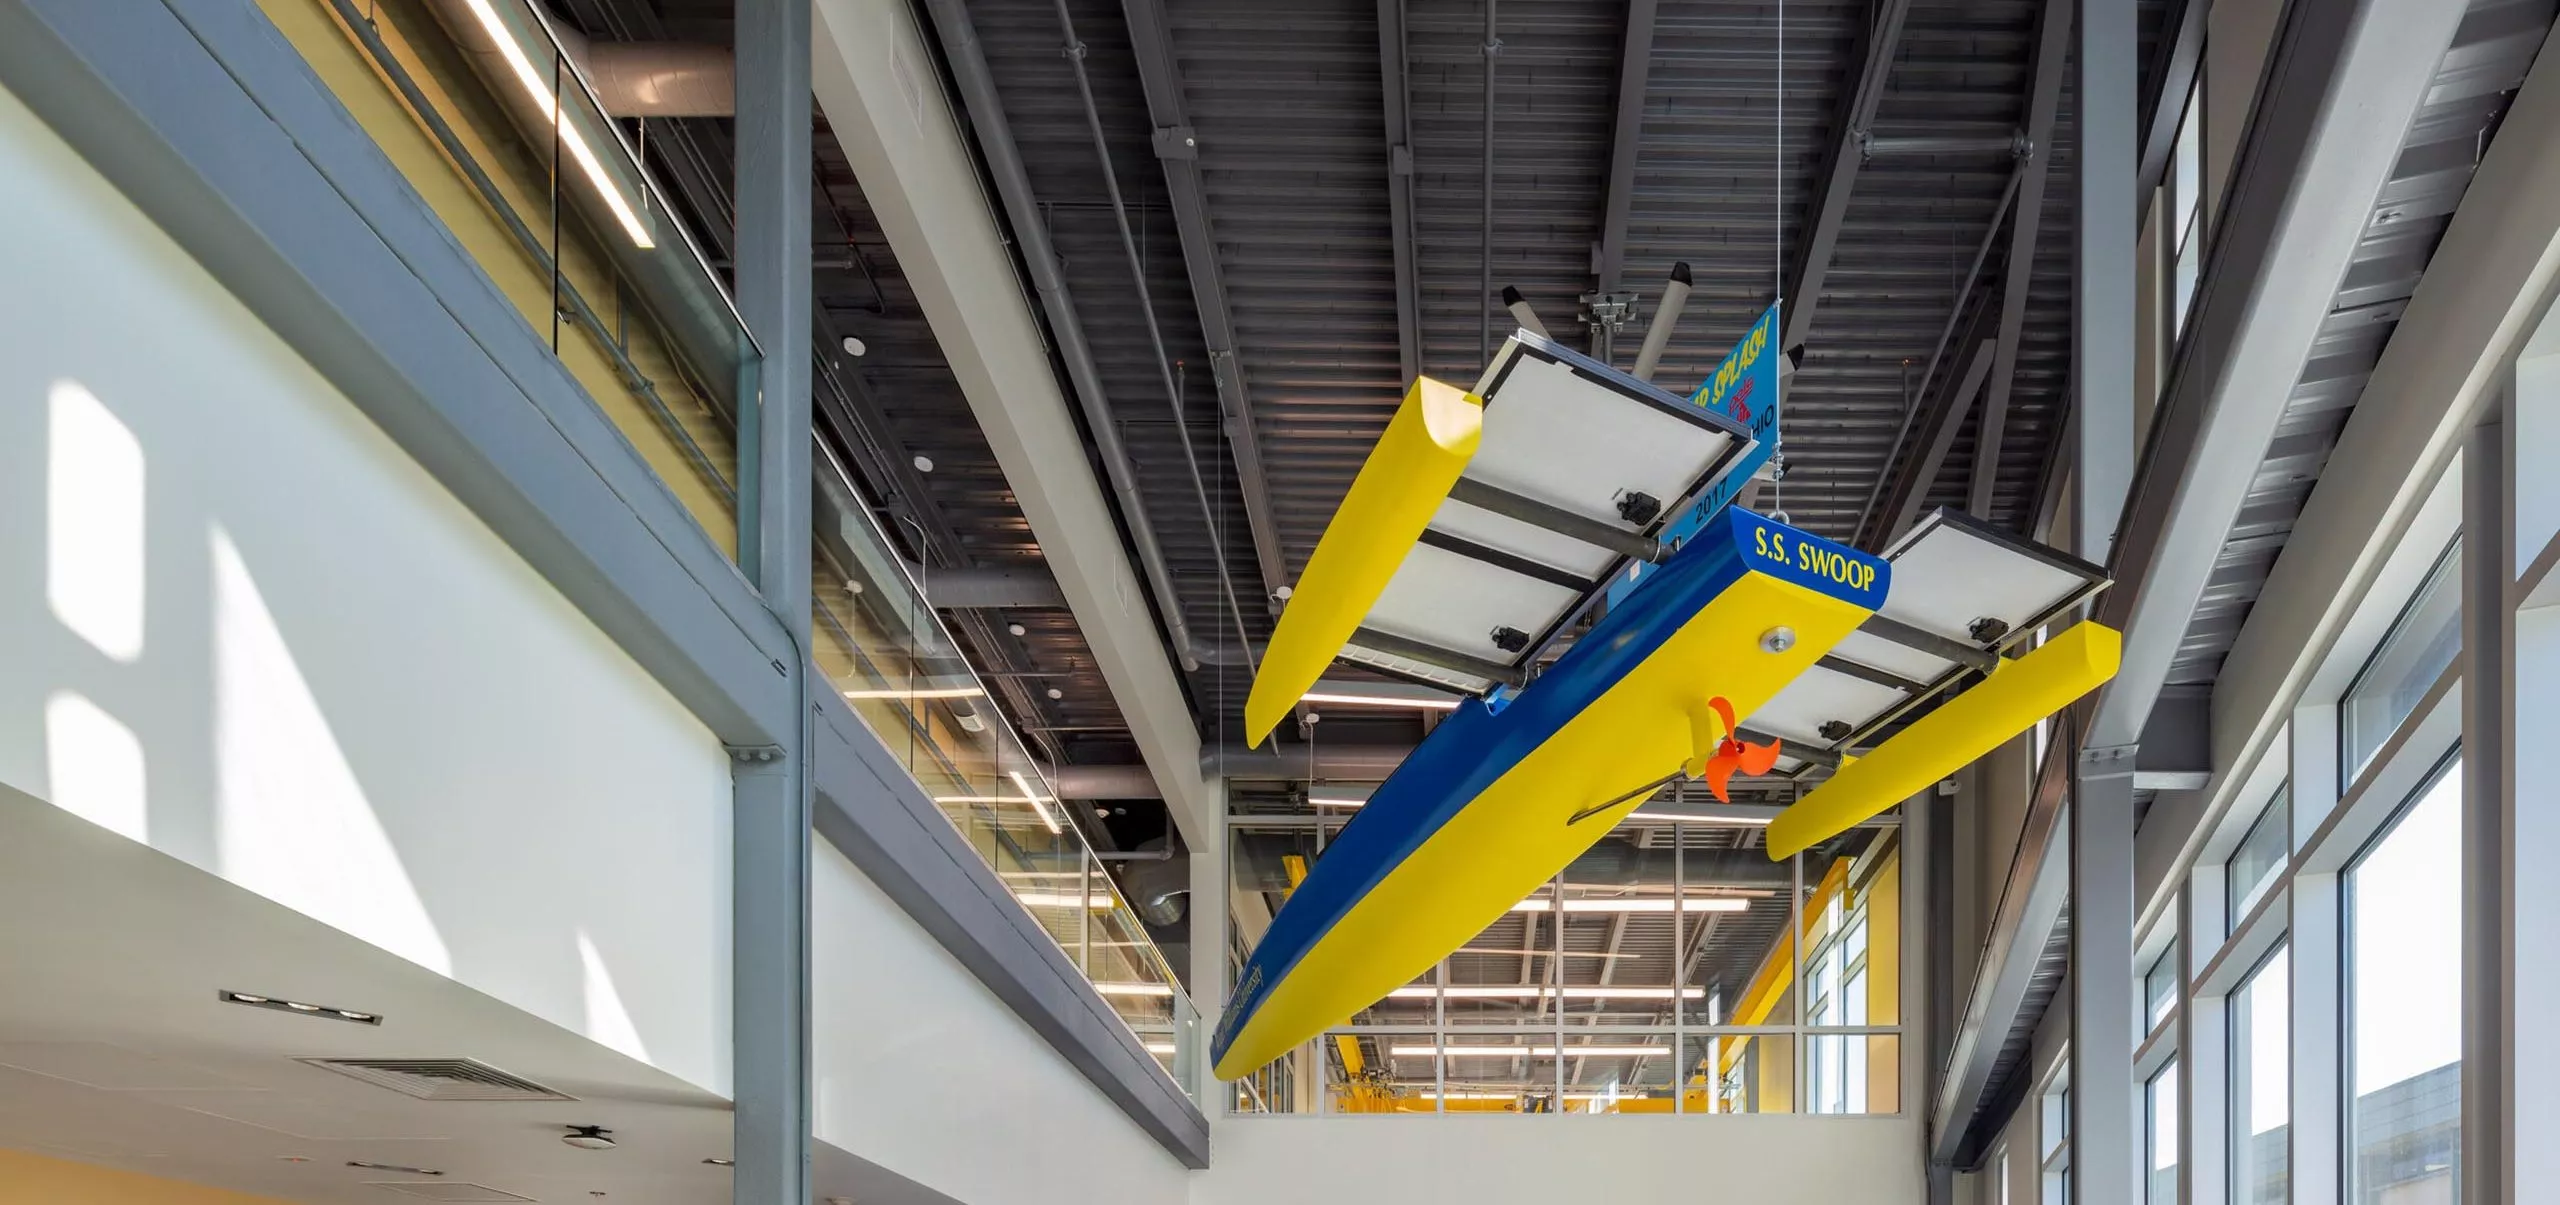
2261, 1074
2056, 1138
2160, 1098
2160, 986
2404, 1004
2260, 859
1838, 982
2186, 210
2421, 643
2003, 1164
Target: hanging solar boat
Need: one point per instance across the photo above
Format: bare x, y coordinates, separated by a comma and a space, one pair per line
1487, 525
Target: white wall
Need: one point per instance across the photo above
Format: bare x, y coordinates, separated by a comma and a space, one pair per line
1545, 1159
921, 1070
238, 623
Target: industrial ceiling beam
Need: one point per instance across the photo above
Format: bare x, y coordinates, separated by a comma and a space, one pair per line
1936, 427
1395, 104
1878, 43
1635, 65
2053, 56
916, 170
1178, 149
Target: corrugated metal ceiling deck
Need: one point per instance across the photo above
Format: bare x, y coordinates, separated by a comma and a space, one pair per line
1286, 103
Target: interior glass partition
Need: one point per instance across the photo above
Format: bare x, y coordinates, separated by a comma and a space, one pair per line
1673, 968
481, 106
883, 648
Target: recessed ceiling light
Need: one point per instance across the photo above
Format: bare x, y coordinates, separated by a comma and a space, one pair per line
393, 1167
296, 1006
854, 346
924, 464
1017, 629
1056, 693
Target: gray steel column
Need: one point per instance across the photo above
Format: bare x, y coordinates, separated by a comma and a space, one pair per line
2106, 1126
2103, 273
2490, 1031
771, 811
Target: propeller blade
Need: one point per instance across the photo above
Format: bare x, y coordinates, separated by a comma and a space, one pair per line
1720, 770
1759, 759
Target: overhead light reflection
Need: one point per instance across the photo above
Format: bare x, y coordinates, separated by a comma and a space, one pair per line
549, 106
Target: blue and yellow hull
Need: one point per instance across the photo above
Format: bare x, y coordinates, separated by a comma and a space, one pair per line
1484, 811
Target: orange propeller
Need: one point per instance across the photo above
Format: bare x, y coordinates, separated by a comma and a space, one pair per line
1733, 753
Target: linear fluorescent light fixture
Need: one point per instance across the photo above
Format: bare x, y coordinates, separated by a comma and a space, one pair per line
297, 1007
1737, 821
1427, 1094
552, 111
1048, 818
1712, 903
1505, 991
1348, 700
1335, 801
1159, 1048
925, 692
1535, 1052
1100, 901
1135, 989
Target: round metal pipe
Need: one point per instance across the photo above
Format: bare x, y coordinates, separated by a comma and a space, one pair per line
1657, 333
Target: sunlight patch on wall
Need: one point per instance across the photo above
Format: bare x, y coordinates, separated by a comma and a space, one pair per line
608, 1021
296, 826
93, 522
95, 766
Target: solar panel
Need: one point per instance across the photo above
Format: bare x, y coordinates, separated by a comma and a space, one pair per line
1599, 459
1961, 588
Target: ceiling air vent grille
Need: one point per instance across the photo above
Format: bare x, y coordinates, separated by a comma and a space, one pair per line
441, 1079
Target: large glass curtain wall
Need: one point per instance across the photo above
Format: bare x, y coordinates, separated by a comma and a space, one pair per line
2304, 1019
1672, 969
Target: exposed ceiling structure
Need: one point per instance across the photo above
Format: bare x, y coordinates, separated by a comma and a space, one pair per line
1270, 216
1302, 190
1305, 188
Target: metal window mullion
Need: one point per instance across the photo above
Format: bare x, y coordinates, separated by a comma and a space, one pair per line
1555, 987
2502, 968
1679, 960
2316, 1114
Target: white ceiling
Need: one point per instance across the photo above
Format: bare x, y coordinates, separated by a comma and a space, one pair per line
114, 1050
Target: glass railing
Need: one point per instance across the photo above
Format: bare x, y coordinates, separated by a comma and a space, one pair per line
1674, 969
480, 108
882, 646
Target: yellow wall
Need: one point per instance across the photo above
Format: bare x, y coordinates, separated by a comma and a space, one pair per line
34, 1180
421, 47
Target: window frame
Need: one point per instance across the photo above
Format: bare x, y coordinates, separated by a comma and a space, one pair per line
2444, 569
